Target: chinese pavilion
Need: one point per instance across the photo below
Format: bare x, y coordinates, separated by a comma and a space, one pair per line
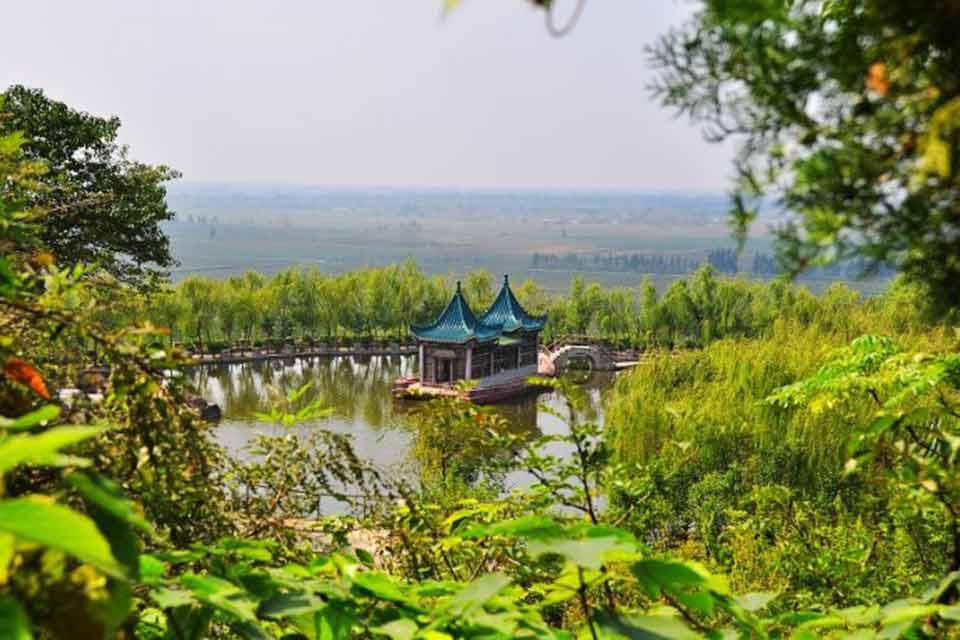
458, 345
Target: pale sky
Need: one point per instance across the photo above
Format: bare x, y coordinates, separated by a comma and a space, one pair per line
369, 92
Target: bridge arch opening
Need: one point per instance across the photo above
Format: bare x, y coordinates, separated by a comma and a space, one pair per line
579, 362
590, 358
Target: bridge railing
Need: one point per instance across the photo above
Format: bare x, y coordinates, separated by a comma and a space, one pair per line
573, 338
610, 347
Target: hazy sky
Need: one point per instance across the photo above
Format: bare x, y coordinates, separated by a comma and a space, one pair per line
369, 92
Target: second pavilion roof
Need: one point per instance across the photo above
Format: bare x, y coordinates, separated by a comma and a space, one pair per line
507, 314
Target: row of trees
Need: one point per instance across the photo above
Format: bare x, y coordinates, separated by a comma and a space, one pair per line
298, 303
725, 261
381, 303
765, 264
674, 264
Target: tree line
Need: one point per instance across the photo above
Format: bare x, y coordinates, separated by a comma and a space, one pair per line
675, 264
381, 303
723, 260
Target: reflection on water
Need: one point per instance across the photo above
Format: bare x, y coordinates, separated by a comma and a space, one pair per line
358, 390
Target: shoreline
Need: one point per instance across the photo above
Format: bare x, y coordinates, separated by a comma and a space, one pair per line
261, 355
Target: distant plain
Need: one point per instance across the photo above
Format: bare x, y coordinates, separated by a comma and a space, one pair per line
225, 229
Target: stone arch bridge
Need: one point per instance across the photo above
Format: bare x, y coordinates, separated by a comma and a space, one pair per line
554, 360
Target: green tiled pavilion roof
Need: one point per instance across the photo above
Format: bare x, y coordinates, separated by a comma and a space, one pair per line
456, 324
508, 315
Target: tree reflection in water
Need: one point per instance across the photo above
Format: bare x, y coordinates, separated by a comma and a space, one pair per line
358, 390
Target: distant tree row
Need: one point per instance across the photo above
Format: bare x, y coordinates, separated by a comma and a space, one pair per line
765, 264
191, 219
722, 260
635, 262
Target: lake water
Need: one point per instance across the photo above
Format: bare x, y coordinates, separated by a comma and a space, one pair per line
358, 390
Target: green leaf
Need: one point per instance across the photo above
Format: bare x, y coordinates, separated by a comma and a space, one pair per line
895, 630
334, 622
171, 598
287, 605
935, 594
151, 567
860, 616
564, 587
432, 589
402, 629
115, 516
504, 623
116, 609
951, 613
7, 549
380, 585
647, 627
589, 553
900, 611
108, 495
529, 527
458, 516
250, 549
701, 602
222, 595
476, 593
10, 143
364, 556
195, 622
39, 520
249, 631
13, 621
181, 556
669, 575
41, 449
934, 146
41, 416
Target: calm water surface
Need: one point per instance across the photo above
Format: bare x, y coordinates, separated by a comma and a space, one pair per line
358, 390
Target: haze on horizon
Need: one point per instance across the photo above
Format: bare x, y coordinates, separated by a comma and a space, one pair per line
370, 92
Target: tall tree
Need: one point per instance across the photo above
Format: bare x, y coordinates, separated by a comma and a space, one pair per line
848, 117
478, 288
101, 206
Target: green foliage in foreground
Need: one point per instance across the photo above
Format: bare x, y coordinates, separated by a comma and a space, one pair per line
343, 596
540, 574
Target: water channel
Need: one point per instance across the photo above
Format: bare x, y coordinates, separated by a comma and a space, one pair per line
358, 391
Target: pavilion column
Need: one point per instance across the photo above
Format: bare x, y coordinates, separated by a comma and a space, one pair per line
469, 363
422, 378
